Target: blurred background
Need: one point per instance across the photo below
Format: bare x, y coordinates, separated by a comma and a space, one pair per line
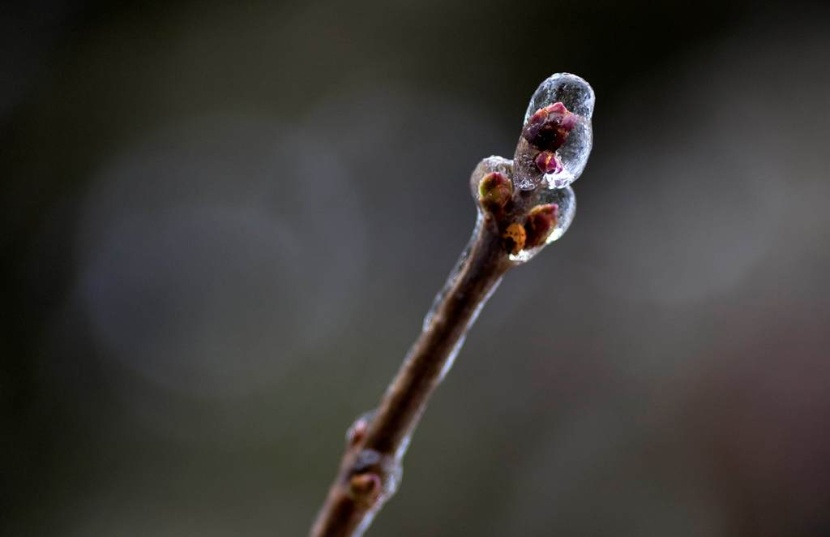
222, 224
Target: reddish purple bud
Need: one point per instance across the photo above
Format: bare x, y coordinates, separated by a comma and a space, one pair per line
548, 162
549, 127
540, 223
494, 191
558, 107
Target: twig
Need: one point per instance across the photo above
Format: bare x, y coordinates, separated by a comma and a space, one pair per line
513, 225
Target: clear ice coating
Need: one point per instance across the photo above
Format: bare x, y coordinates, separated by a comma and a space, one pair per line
565, 200
451, 279
578, 97
488, 165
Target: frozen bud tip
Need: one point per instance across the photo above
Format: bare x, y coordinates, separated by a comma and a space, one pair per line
548, 128
541, 221
494, 191
572, 91
557, 119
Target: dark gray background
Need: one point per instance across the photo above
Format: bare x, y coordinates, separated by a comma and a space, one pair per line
222, 224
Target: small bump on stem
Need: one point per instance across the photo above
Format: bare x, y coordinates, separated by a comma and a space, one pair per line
365, 488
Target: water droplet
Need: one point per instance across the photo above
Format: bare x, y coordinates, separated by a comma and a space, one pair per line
565, 201
572, 155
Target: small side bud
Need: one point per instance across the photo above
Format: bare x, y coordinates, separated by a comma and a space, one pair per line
495, 191
357, 431
365, 488
548, 128
515, 238
548, 162
541, 220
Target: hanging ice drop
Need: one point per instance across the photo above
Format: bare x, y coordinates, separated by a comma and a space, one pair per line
557, 124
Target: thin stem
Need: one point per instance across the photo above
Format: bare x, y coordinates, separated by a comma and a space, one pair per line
513, 223
370, 467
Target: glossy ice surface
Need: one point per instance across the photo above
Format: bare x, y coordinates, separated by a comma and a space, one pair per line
565, 201
578, 97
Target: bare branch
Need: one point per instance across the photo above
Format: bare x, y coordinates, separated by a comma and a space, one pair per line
521, 209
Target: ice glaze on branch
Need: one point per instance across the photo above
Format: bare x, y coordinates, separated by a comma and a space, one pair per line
522, 205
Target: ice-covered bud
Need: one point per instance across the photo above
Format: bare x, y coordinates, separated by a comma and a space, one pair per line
546, 222
549, 127
558, 119
541, 220
548, 162
494, 191
487, 166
